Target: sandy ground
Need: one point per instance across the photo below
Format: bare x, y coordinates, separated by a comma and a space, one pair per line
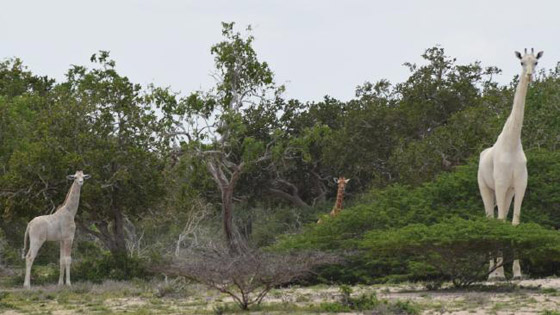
540, 296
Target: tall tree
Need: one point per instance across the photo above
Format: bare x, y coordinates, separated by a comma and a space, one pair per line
99, 121
232, 123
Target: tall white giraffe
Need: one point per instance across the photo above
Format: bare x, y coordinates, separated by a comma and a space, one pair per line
58, 226
502, 170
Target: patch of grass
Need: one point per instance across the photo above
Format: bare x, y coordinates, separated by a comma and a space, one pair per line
499, 306
405, 307
335, 307
3, 304
550, 291
302, 298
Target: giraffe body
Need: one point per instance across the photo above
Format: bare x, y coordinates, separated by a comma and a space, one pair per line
502, 170
58, 226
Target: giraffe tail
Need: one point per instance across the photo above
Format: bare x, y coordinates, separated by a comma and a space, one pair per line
24, 242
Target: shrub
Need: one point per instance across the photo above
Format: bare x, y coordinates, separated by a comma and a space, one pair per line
107, 266
405, 307
459, 250
246, 275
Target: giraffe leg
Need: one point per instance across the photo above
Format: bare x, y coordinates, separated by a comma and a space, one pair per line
67, 259
501, 202
519, 194
34, 246
498, 274
520, 188
517, 270
509, 198
488, 199
62, 264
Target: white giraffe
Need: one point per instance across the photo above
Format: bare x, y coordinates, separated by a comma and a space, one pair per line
502, 170
58, 226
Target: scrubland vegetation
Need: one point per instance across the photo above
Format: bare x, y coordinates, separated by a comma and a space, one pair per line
207, 201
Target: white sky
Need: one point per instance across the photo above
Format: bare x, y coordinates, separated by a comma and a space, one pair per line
315, 47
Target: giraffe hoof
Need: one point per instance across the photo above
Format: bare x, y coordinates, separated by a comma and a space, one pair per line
497, 279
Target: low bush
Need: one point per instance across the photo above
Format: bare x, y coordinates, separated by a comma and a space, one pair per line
366, 302
109, 267
459, 250
246, 274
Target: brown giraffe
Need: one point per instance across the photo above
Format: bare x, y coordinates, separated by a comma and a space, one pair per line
339, 197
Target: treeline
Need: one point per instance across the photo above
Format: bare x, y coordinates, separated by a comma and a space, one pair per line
258, 163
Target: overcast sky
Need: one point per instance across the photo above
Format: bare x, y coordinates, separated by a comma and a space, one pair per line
315, 47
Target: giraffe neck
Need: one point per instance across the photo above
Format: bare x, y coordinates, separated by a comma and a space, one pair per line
339, 198
72, 200
511, 133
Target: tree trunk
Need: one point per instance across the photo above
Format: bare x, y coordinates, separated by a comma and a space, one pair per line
118, 234
113, 240
227, 209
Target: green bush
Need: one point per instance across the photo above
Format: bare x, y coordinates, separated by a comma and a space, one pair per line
458, 250
450, 195
107, 266
405, 307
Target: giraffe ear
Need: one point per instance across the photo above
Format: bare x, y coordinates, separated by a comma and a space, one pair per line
87, 176
539, 54
335, 180
347, 180
518, 54
71, 177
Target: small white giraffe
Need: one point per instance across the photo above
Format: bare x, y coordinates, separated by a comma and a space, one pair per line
502, 170
58, 226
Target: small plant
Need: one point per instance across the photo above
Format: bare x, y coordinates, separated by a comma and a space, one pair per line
364, 302
345, 291
549, 291
221, 309
3, 296
433, 285
334, 307
405, 307
174, 287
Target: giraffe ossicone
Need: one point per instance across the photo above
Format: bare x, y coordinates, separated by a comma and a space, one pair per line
59, 226
502, 169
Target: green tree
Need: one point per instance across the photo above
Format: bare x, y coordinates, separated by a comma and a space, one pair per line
99, 121
235, 116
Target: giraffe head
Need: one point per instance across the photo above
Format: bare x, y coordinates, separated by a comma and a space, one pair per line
529, 61
341, 181
78, 177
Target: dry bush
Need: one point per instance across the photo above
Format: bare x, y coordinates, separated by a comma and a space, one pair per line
247, 274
